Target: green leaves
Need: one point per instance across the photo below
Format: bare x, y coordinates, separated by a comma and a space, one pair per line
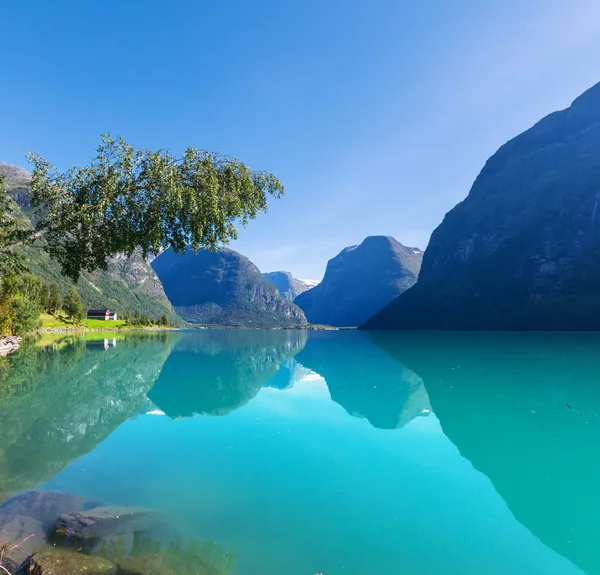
20, 303
73, 305
125, 199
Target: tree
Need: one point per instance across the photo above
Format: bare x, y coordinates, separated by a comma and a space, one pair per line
25, 285
26, 315
164, 320
52, 298
127, 198
73, 305
20, 303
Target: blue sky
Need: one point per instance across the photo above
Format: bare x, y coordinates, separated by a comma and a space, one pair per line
376, 115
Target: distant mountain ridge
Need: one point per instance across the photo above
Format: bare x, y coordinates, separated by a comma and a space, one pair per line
522, 251
360, 281
129, 283
288, 286
223, 287
14, 173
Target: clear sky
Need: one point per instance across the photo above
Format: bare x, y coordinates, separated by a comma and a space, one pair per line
377, 115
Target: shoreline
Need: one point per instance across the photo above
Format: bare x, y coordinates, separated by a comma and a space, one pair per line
87, 329
9, 344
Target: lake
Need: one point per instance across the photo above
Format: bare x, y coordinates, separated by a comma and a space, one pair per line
339, 453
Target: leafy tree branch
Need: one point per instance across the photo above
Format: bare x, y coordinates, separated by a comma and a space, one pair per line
127, 198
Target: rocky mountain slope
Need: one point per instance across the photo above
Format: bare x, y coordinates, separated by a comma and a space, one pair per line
223, 287
522, 251
129, 283
14, 173
288, 286
360, 281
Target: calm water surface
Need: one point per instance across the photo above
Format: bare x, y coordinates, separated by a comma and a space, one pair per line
341, 453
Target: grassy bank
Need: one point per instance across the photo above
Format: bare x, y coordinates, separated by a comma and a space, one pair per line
59, 322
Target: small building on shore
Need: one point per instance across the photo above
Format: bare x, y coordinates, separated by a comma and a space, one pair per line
102, 314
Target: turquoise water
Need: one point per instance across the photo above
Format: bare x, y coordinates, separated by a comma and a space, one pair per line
341, 453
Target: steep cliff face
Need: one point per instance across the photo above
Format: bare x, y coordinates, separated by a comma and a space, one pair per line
129, 283
360, 281
223, 287
522, 251
288, 286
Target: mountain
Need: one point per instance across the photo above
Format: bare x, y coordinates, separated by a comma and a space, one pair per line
522, 251
129, 283
287, 286
14, 173
223, 287
360, 281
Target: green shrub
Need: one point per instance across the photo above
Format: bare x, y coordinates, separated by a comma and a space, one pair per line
21, 297
73, 305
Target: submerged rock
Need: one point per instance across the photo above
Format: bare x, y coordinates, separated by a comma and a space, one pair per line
106, 522
61, 561
45, 506
143, 565
20, 536
10, 565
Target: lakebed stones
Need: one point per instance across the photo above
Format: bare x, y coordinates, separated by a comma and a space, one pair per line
80, 536
20, 536
143, 565
61, 561
45, 506
107, 521
24, 520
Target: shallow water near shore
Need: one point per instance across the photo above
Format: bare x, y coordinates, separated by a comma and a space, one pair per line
340, 453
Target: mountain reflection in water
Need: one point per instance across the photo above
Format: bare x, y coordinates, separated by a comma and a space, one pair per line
57, 402
216, 372
523, 409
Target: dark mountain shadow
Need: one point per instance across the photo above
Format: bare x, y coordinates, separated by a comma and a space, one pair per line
525, 410
215, 372
364, 380
58, 401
